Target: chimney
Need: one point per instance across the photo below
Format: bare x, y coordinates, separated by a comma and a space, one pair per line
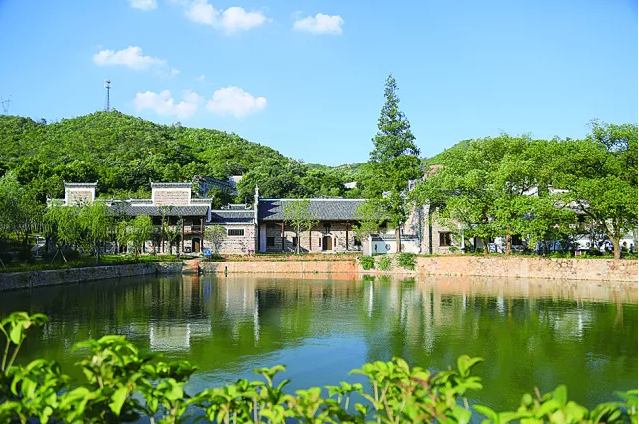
256, 203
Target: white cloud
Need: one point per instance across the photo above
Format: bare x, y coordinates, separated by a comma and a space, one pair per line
230, 20
174, 71
235, 101
320, 24
131, 57
163, 104
143, 4
202, 77
191, 96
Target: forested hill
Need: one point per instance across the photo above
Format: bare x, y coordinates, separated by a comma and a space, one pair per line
123, 153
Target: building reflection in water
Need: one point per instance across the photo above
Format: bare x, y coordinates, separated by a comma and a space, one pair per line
530, 330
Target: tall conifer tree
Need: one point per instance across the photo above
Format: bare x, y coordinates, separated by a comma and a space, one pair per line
393, 162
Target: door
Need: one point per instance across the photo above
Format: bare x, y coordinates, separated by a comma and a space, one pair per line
327, 243
196, 245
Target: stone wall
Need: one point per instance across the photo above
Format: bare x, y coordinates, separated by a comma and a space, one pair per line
513, 267
236, 245
281, 267
312, 240
517, 267
27, 280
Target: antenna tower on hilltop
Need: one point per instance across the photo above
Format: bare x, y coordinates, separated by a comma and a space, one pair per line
107, 103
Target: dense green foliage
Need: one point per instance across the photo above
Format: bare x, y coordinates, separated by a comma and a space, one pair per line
406, 260
123, 153
600, 174
367, 262
385, 263
122, 383
505, 186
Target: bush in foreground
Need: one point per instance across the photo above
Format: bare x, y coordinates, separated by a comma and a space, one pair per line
123, 383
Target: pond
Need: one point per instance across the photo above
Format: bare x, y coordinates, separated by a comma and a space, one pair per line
530, 332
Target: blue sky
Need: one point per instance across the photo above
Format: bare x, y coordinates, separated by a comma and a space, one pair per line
306, 77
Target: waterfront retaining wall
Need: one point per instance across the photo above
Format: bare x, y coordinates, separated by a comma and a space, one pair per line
508, 267
517, 267
281, 267
26, 280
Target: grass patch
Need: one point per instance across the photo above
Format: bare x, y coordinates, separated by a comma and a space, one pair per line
89, 261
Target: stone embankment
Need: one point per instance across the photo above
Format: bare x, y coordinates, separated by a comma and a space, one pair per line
598, 270
27, 280
518, 267
507, 267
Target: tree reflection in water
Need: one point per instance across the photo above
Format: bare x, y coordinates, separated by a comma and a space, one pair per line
531, 332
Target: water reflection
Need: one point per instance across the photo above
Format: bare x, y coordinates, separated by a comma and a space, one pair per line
531, 332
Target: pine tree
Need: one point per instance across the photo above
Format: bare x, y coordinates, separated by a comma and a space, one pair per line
393, 162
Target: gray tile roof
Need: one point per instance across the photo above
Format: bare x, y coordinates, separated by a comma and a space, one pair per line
232, 216
322, 209
83, 185
190, 210
201, 200
171, 185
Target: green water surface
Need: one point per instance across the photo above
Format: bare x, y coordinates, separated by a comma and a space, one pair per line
530, 332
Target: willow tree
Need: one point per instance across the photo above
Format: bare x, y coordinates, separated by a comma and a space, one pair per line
96, 223
135, 232
393, 162
62, 223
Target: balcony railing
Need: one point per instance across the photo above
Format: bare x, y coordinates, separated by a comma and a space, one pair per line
187, 228
192, 228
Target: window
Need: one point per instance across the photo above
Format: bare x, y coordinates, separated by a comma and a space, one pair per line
270, 241
444, 239
516, 240
294, 241
233, 232
357, 241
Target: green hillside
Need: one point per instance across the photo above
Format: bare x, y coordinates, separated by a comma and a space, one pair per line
123, 153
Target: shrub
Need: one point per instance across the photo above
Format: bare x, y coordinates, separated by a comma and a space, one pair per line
367, 262
385, 263
453, 249
479, 251
406, 260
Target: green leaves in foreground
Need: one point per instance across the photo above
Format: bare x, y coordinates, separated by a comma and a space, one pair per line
555, 408
123, 383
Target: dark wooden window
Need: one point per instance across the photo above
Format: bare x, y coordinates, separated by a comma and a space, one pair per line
357, 241
270, 241
516, 240
294, 241
234, 232
445, 239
